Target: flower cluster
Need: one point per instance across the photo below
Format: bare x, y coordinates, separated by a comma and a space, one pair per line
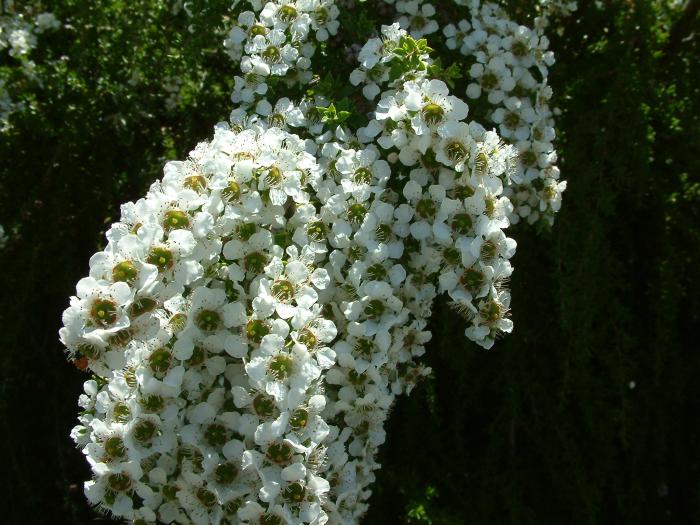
252, 319
277, 40
510, 69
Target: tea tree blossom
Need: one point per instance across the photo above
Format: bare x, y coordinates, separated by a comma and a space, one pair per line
253, 318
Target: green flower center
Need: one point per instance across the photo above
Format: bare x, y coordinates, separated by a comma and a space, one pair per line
472, 280
263, 405
456, 151
121, 412
119, 482
316, 230
256, 329
89, 351
255, 262
257, 29
270, 519
308, 338
279, 453
528, 158
199, 354
208, 320
363, 175
426, 208
488, 250
299, 419
481, 163
376, 272
144, 431
283, 290
287, 13
462, 223
511, 120
161, 257
432, 114
226, 473
177, 322
280, 367
152, 403
114, 447
141, 306
274, 176
463, 192
125, 271
364, 348
216, 435
276, 120
295, 492
356, 213
175, 220
121, 338
519, 48
491, 311
103, 312
232, 191
375, 308
489, 81
272, 54
451, 256
197, 183
160, 360
383, 232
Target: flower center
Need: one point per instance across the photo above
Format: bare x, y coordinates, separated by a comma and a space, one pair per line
216, 435
280, 367
104, 312
144, 431
232, 192
299, 419
256, 329
316, 230
287, 13
426, 208
363, 175
375, 308
125, 271
197, 183
263, 405
272, 54
119, 482
208, 320
295, 493
472, 280
280, 453
226, 473
283, 290
114, 447
160, 257
176, 220
356, 213
432, 113
456, 151
255, 262
462, 223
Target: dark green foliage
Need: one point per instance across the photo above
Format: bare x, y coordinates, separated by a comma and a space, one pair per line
542, 429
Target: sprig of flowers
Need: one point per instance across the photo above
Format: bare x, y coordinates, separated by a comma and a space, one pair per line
252, 318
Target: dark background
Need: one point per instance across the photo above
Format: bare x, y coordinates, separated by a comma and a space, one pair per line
588, 413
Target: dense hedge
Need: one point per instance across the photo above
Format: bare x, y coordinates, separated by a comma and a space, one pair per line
587, 413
